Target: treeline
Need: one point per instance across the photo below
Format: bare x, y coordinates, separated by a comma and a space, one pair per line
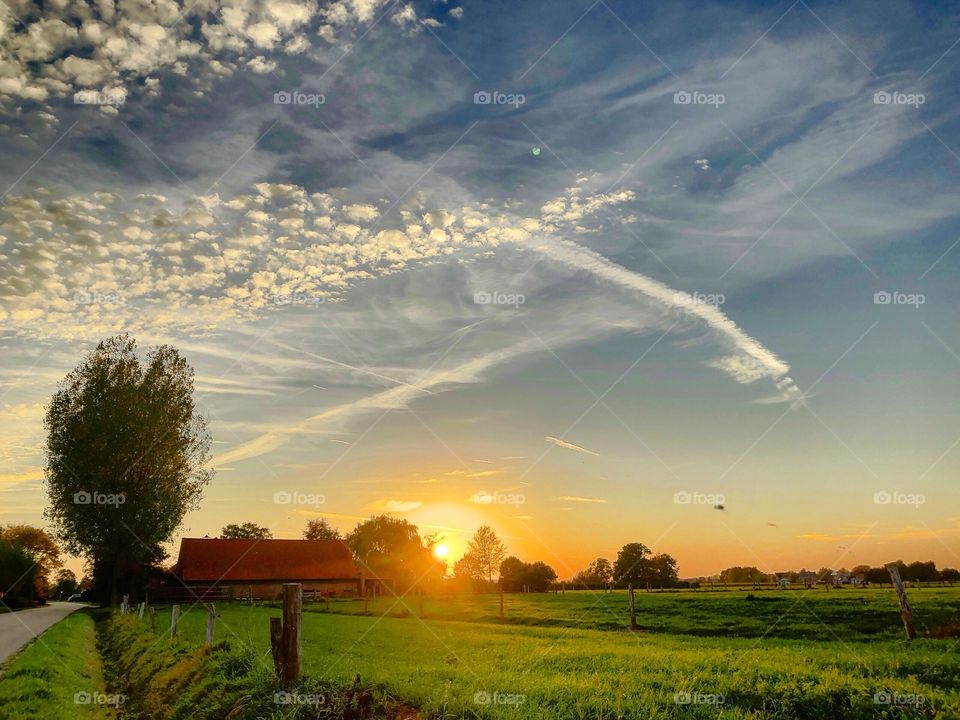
917, 571
635, 565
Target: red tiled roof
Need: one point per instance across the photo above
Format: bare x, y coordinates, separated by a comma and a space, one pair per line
215, 560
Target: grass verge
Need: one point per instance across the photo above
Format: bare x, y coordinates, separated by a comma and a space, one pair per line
58, 675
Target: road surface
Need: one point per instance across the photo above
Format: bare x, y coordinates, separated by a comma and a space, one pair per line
19, 628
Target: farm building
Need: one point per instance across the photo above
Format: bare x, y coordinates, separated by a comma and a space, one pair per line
218, 568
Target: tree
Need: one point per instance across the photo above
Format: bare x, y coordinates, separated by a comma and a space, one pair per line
391, 548
486, 551
598, 572
17, 571
740, 574
631, 565
126, 458
950, 575
538, 576
41, 548
877, 576
246, 531
320, 529
66, 584
922, 571
511, 574
662, 570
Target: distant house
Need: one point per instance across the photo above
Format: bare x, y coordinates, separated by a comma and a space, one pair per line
257, 569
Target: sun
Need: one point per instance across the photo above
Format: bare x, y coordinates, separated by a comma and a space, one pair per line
441, 550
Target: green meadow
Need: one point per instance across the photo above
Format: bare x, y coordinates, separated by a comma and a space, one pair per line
789, 654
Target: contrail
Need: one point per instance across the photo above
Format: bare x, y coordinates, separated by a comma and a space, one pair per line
752, 361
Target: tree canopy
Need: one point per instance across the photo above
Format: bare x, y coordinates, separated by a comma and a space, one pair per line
126, 457
320, 529
245, 531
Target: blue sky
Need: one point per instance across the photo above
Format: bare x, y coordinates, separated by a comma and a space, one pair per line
648, 265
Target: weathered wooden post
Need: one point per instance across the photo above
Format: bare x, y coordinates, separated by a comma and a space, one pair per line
633, 609
291, 640
906, 614
174, 616
153, 619
276, 646
211, 619
143, 606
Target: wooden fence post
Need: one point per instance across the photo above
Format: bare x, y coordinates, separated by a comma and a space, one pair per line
211, 619
143, 606
291, 643
633, 609
174, 616
276, 648
906, 614
153, 619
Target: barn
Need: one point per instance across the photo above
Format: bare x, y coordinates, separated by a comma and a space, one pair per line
256, 569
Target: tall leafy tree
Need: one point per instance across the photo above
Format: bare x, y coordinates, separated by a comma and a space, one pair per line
486, 551
631, 565
245, 531
320, 529
392, 548
127, 457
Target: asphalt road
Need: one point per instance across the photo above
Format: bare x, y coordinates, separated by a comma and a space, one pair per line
19, 628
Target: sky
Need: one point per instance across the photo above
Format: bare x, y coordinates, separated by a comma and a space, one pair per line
673, 273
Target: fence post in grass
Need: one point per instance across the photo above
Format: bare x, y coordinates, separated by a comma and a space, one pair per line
153, 619
174, 616
276, 648
906, 614
292, 613
211, 618
633, 609
143, 606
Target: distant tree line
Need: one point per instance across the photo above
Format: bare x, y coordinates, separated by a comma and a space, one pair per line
916, 571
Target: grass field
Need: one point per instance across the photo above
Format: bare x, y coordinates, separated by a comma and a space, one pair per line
44, 680
847, 666
845, 614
